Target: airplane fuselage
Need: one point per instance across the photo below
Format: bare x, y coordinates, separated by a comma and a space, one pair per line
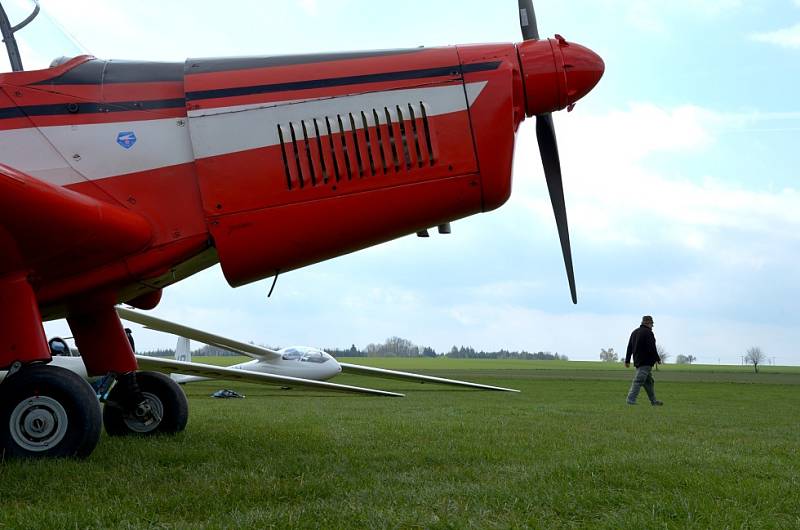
265, 164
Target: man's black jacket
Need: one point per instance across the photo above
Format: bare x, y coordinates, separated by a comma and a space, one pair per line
642, 345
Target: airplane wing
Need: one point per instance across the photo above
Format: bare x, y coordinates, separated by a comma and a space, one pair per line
53, 230
408, 376
251, 350
218, 372
261, 353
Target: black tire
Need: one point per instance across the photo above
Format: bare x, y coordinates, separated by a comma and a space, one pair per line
48, 411
165, 396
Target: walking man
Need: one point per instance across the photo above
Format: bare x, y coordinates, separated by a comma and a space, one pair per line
642, 346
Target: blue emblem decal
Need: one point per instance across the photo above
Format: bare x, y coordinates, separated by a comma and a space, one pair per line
126, 139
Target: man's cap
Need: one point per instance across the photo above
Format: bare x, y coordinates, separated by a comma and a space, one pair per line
647, 319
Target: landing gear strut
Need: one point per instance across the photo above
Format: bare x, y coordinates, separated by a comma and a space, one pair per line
147, 403
47, 411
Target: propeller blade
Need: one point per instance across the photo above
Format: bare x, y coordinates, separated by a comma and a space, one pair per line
527, 20
548, 148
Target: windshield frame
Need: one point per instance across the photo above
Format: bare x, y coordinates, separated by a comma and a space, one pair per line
42, 45
7, 30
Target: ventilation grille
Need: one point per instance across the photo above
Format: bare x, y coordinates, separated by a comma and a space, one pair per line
348, 146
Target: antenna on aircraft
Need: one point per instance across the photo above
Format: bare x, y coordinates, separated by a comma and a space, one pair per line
274, 281
8, 31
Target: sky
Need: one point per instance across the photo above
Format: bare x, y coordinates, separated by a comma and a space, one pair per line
680, 176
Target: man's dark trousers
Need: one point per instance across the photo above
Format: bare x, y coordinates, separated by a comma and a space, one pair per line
643, 378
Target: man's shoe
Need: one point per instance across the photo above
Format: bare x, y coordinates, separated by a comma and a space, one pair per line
657, 403
631, 402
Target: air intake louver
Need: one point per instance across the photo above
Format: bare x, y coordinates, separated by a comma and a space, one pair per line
355, 145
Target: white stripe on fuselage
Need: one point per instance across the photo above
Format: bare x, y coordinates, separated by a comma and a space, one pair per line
232, 129
28, 150
66, 154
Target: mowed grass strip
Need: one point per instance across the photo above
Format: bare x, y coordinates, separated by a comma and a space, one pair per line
566, 452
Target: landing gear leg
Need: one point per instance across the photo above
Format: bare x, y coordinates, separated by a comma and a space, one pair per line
47, 411
145, 403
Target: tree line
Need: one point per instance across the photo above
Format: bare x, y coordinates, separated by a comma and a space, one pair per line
400, 347
393, 347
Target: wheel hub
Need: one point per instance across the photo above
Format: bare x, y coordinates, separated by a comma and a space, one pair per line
147, 415
38, 423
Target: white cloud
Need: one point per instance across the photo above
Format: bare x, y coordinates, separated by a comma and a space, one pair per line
707, 7
614, 196
310, 7
316, 8
787, 37
651, 16
73, 15
382, 297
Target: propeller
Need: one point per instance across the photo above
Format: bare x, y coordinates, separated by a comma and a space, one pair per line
527, 20
548, 149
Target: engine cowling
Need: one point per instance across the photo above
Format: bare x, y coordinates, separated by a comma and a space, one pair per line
557, 73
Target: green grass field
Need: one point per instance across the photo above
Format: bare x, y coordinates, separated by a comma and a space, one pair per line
566, 452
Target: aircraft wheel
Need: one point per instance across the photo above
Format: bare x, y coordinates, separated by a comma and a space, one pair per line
169, 409
48, 411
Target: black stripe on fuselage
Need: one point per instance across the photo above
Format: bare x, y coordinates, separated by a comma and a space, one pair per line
11, 112
97, 72
451, 71
225, 64
88, 107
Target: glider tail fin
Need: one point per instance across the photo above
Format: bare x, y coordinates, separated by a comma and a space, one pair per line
182, 351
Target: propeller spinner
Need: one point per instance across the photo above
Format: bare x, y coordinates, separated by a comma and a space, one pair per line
577, 70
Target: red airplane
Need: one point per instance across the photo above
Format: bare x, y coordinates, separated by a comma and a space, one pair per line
119, 178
